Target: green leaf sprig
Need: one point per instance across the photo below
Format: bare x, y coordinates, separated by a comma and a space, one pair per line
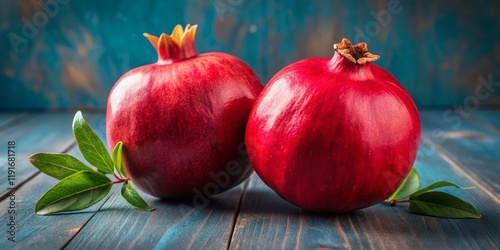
81, 186
433, 203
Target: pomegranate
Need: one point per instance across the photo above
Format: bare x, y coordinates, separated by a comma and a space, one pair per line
333, 134
182, 119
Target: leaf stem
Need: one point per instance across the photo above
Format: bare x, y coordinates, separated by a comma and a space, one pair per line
395, 202
120, 180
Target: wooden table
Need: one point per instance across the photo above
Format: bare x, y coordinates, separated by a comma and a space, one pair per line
462, 148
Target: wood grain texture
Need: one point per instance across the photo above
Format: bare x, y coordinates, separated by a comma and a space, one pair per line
10, 119
173, 225
252, 216
42, 232
488, 118
47, 133
469, 147
37, 133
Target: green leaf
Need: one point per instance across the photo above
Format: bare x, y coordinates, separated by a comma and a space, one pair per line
409, 185
75, 192
57, 165
130, 195
437, 185
91, 146
117, 159
441, 204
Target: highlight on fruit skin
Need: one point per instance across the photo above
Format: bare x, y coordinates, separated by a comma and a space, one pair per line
182, 119
334, 134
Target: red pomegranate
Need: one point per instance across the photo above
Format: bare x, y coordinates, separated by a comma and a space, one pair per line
334, 134
182, 119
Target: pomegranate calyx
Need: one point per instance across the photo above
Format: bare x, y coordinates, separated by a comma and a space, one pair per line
357, 54
175, 47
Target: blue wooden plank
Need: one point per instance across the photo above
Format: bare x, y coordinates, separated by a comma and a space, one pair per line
471, 148
488, 118
173, 225
45, 232
10, 119
41, 232
36, 133
266, 221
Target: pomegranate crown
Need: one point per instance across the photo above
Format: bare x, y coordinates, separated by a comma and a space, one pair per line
176, 47
357, 54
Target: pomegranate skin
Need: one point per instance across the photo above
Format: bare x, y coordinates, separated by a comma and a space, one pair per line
182, 124
331, 135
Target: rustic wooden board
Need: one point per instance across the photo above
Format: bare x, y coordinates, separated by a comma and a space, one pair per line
42, 232
488, 118
47, 232
252, 216
173, 225
469, 147
9, 119
37, 133
266, 221
48, 132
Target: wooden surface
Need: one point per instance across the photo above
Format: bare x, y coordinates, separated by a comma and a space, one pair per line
465, 150
438, 50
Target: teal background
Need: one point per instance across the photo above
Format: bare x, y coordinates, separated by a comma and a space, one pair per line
438, 50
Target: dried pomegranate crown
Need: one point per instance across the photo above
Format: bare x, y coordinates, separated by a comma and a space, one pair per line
176, 47
357, 54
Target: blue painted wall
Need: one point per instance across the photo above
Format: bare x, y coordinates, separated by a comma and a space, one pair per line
441, 51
